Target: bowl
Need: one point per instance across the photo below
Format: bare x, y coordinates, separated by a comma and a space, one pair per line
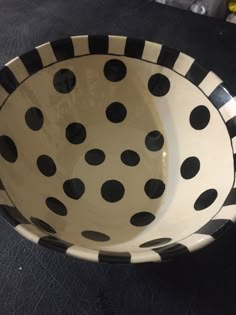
115, 149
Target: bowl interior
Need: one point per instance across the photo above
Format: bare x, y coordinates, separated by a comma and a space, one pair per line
113, 153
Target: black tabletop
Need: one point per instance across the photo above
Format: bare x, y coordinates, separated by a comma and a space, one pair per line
36, 281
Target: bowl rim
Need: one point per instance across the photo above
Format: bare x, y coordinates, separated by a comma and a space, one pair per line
11, 76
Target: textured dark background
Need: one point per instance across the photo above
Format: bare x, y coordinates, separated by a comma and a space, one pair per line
36, 281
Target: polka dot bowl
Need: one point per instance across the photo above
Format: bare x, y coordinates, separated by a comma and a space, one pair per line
116, 150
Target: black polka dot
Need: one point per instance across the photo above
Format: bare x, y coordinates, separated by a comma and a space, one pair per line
130, 158
190, 167
142, 218
116, 112
56, 206
95, 157
74, 188
154, 188
1, 185
154, 140
158, 84
115, 70
76, 133
199, 117
156, 242
8, 149
42, 225
34, 118
95, 236
112, 191
205, 199
64, 81
46, 165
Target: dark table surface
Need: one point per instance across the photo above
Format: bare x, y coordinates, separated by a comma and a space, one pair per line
36, 281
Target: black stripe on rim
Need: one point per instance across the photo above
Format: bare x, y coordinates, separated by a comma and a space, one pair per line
32, 61
231, 126
63, 49
98, 44
231, 198
12, 215
234, 162
167, 57
169, 252
196, 73
134, 48
54, 243
7, 80
1, 185
216, 227
220, 96
110, 257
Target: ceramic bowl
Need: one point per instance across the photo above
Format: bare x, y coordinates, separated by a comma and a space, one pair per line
116, 150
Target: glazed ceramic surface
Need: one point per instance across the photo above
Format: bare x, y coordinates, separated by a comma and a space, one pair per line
115, 149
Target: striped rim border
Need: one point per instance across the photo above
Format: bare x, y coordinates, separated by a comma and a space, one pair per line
21, 68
